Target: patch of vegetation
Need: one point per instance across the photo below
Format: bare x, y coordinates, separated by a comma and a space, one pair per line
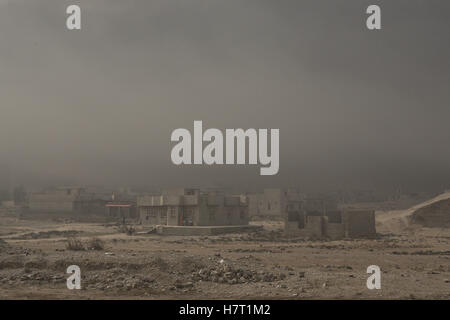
96, 244
160, 263
74, 244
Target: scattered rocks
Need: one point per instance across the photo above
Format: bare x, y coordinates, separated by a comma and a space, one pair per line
228, 274
118, 280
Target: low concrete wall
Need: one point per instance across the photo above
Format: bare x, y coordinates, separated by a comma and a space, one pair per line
203, 231
291, 229
335, 231
354, 224
359, 223
314, 228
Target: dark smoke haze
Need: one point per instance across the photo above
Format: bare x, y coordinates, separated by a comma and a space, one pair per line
355, 108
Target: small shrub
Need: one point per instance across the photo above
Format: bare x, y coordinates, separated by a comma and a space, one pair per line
74, 244
160, 263
96, 244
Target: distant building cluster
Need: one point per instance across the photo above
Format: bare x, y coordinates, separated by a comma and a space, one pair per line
302, 215
312, 216
83, 203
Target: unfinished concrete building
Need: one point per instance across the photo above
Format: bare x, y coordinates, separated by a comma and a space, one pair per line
122, 207
319, 205
333, 224
68, 201
55, 200
274, 203
320, 217
190, 207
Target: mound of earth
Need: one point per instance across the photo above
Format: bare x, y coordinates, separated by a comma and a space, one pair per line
434, 213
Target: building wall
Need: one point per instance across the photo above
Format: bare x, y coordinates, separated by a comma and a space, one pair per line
314, 227
321, 205
89, 206
195, 210
335, 230
359, 223
157, 215
118, 212
255, 204
173, 215
274, 202
58, 200
51, 202
338, 225
291, 229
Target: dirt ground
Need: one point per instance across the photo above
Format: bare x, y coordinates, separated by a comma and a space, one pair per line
415, 263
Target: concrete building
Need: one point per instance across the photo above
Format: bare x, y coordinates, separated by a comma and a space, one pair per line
56, 200
121, 209
321, 204
91, 204
335, 224
190, 207
274, 203
68, 201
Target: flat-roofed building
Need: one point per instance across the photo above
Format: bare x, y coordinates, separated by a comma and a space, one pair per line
55, 200
190, 207
333, 224
274, 202
72, 201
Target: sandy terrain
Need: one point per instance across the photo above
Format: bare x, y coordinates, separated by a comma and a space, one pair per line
415, 264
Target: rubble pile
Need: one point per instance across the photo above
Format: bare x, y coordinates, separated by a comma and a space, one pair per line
32, 277
231, 275
112, 280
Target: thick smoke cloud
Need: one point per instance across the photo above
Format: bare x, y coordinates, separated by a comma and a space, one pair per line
355, 108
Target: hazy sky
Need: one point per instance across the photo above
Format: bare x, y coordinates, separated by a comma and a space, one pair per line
355, 108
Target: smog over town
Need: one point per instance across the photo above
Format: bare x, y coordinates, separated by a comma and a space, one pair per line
224, 149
